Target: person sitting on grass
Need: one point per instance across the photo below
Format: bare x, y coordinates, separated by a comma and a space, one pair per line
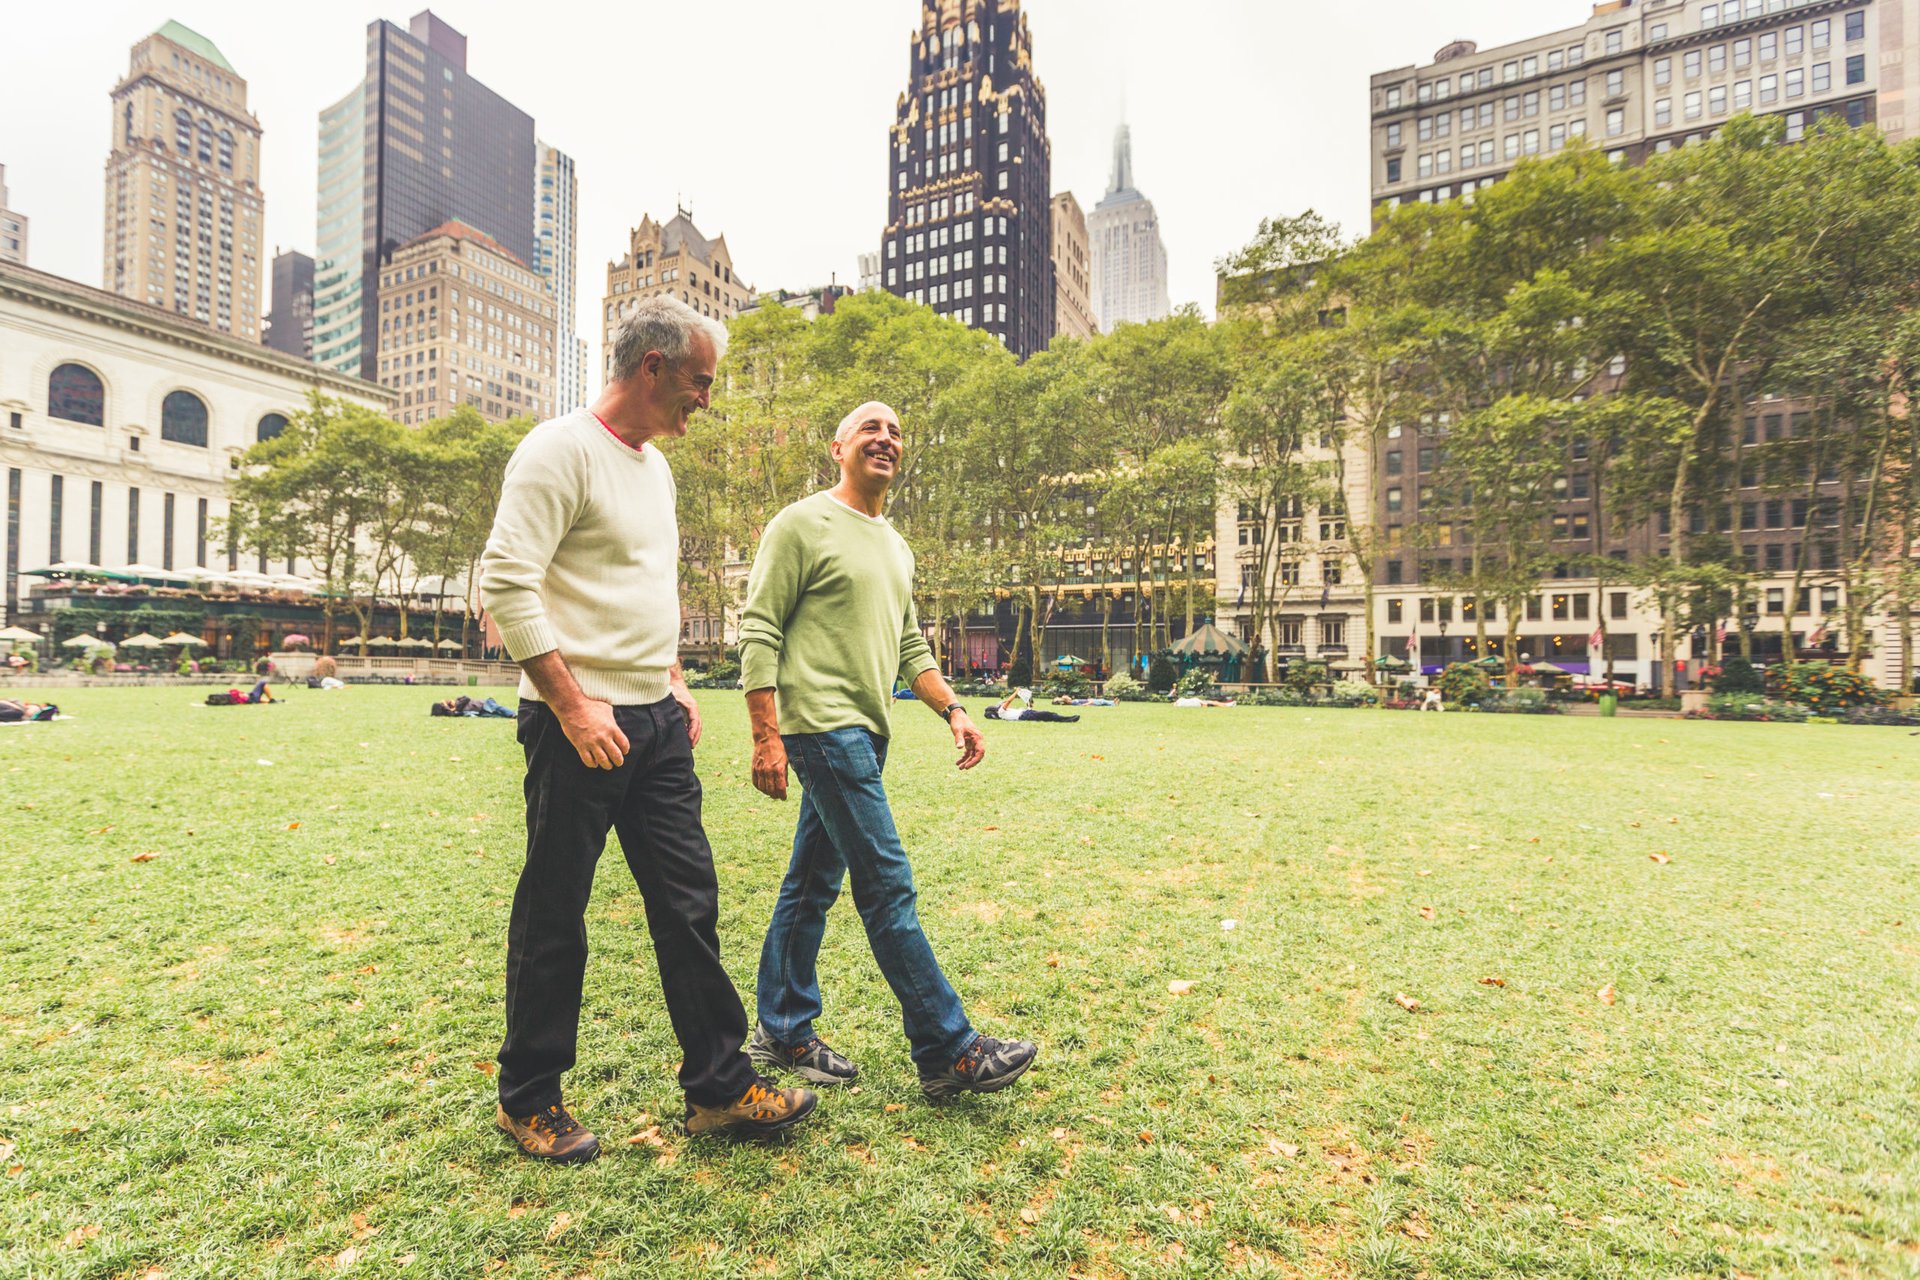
1018, 705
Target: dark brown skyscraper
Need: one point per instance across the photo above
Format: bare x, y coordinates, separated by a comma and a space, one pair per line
968, 229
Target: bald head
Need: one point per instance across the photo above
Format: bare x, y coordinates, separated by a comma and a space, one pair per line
871, 410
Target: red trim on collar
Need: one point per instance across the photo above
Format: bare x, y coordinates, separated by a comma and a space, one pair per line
641, 448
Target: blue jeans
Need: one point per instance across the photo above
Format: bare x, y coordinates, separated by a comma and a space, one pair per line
846, 830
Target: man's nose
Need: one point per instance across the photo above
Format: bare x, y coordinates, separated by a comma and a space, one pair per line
706, 397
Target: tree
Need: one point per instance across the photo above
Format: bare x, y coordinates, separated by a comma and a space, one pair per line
309, 492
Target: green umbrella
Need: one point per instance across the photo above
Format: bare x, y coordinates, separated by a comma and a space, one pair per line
1209, 641
1491, 660
145, 640
1068, 660
1392, 663
85, 572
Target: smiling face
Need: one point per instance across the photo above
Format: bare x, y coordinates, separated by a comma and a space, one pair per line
869, 447
677, 389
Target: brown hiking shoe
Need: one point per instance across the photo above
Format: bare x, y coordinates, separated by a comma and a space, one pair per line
549, 1135
761, 1109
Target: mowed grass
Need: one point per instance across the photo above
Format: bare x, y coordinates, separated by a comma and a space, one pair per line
264, 1051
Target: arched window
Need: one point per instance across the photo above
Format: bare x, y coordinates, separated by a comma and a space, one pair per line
74, 392
226, 151
204, 132
270, 426
183, 133
183, 419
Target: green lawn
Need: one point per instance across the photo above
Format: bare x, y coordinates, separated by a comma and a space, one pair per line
264, 1051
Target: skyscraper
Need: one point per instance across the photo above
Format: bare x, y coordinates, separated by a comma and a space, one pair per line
13, 227
1129, 258
969, 220
290, 319
416, 144
557, 259
1072, 269
183, 195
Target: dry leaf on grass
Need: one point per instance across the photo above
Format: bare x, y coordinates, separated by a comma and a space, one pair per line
1146, 1135
346, 1257
1285, 1150
1179, 987
1493, 982
1660, 856
993, 827
486, 1068
293, 826
1029, 1215
561, 1221
892, 1107
1426, 913
148, 856
79, 1236
649, 1135
1406, 1002
329, 859
1605, 994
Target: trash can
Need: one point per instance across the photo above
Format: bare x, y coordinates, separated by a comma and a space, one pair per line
474, 682
1609, 703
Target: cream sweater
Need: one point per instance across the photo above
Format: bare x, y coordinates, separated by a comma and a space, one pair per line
584, 558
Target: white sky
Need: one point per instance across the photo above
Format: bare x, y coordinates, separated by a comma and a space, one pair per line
769, 116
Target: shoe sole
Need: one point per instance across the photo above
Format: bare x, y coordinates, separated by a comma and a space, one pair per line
948, 1090
771, 1062
572, 1157
750, 1129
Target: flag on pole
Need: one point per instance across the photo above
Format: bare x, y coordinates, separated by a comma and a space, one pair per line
1720, 632
1598, 638
1818, 634
1413, 642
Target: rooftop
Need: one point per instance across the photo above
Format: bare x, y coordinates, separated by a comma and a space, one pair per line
192, 41
466, 231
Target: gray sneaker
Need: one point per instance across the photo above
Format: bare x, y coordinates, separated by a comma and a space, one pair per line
988, 1066
813, 1061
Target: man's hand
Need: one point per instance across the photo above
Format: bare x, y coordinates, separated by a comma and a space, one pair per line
972, 744
684, 696
590, 727
770, 766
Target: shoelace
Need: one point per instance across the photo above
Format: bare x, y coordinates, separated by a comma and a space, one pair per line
555, 1121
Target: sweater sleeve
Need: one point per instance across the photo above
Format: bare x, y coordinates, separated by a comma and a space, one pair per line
541, 497
915, 655
773, 588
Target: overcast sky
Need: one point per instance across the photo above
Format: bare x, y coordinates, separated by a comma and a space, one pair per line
769, 117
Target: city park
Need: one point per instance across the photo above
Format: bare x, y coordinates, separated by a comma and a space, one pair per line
1321, 989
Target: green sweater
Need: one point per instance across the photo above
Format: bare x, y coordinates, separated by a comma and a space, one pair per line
829, 623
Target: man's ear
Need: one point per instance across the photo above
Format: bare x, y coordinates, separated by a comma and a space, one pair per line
652, 363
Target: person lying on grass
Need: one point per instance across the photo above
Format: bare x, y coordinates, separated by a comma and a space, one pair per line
829, 625
14, 711
1018, 705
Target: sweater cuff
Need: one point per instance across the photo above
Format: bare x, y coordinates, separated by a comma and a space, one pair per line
914, 668
759, 666
528, 639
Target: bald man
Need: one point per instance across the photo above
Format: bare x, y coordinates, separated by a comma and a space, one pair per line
829, 626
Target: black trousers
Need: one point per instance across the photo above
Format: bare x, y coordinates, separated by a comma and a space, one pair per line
653, 802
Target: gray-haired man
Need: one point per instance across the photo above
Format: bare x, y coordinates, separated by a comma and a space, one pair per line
581, 573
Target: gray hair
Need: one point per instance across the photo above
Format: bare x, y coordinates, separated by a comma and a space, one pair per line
854, 419
662, 324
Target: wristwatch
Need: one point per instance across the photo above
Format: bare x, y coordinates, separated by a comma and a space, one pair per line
946, 712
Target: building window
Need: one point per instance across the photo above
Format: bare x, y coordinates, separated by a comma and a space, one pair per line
166, 531
1617, 121
76, 394
1856, 67
96, 501
1857, 25
270, 426
1616, 41
183, 419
